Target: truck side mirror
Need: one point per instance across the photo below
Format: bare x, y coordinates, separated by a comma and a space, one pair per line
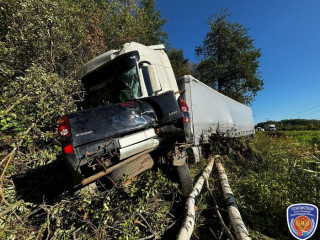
154, 80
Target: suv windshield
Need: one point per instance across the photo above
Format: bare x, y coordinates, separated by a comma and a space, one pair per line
114, 83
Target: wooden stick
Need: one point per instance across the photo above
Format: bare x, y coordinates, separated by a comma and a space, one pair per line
152, 231
234, 214
7, 164
189, 221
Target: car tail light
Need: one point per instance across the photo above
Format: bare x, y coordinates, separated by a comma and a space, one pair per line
126, 104
186, 120
64, 127
68, 149
183, 105
185, 110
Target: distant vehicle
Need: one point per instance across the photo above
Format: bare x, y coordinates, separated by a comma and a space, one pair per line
259, 129
270, 127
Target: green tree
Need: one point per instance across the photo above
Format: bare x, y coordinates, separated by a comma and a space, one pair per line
132, 20
229, 60
180, 65
52, 34
153, 23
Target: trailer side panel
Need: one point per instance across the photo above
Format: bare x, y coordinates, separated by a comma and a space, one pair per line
212, 112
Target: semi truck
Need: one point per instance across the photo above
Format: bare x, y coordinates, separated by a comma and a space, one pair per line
270, 127
136, 113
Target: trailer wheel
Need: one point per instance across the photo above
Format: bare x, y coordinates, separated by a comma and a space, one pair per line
133, 168
185, 179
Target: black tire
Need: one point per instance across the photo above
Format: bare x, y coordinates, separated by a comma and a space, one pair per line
133, 168
185, 180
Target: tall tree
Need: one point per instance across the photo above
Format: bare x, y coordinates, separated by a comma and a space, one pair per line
57, 35
133, 20
229, 60
180, 65
154, 23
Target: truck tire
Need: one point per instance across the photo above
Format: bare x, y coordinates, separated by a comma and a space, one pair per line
185, 179
133, 168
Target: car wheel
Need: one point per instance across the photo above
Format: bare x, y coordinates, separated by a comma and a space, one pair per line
185, 179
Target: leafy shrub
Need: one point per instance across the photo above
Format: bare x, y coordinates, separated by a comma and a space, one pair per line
31, 107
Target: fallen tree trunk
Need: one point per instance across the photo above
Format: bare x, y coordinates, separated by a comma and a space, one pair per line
188, 223
234, 214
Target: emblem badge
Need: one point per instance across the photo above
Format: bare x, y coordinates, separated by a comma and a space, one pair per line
302, 220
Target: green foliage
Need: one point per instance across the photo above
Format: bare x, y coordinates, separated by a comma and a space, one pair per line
180, 65
294, 124
287, 172
62, 35
305, 137
230, 62
137, 21
153, 24
38, 98
123, 212
45, 33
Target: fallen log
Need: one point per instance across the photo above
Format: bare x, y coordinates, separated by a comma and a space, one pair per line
189, 221
238, 225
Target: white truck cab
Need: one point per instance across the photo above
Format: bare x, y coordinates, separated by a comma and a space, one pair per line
150, 70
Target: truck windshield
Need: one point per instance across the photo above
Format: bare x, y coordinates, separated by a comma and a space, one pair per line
112, 84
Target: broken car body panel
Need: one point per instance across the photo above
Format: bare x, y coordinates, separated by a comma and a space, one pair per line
110, 121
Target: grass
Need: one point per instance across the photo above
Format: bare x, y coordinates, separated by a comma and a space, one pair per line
309, 137
286, 172
267, 174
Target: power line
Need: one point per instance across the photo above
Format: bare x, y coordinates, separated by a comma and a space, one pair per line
306, 110
305, 107
311, 108
311, 113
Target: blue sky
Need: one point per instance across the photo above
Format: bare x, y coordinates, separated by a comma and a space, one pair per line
288, 33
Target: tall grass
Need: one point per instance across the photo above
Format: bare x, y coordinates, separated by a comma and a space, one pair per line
288, 172
310, 137
267, 174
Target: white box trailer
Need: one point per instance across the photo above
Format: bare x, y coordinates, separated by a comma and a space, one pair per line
212, 112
